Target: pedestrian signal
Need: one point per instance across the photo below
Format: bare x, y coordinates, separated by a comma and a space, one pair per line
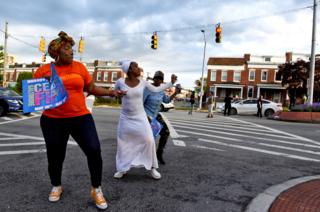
154, 41
218, 33
42, 45
81, 46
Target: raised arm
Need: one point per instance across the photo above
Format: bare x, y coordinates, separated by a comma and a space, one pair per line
162, 87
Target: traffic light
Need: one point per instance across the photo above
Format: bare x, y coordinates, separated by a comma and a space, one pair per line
43, 57
81, 46
218, 33
42, 45
154, 41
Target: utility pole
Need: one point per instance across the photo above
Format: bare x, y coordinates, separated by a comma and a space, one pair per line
202, 80
312, 59
5, 59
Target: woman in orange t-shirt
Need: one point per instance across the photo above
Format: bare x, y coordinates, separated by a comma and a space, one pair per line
72, 118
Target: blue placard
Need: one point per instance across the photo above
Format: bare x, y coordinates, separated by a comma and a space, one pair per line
41, 94
156, 127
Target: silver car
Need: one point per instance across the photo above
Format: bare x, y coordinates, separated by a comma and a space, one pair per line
249, 106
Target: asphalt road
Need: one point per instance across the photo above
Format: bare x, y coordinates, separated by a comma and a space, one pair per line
217, 164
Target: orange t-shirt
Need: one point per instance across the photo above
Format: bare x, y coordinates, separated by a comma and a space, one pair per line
74, 77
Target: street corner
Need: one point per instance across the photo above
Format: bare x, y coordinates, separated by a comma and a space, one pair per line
300, 194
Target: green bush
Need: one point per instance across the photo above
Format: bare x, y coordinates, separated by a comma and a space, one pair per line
107, 101
22, 76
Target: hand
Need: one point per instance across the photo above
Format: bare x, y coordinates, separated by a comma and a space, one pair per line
173, 78
119, 93
47, 78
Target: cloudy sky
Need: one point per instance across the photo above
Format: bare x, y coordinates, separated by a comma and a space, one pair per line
122, 29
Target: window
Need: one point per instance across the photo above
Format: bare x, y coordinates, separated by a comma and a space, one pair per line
250, 92
98, 76
213, 75
264, 75
267, 59
277, 76
224, 75
105, 76
236, 76
114, 76
252, 74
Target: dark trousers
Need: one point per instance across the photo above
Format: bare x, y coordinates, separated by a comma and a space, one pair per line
56, 132
227, 108
164, 135
259, 113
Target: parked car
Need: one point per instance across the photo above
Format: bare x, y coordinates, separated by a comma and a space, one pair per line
249, 106
9, 101
164, 107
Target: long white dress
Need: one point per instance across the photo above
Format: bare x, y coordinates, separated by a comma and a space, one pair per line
135, 141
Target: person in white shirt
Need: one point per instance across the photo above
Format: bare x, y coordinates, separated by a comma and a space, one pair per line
135, 141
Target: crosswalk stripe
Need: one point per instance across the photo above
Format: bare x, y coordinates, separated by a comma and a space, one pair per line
7, 118
260, 150
210, 148
178, 142
16, 120
228, 134
22, 151
208, 135
235, 130
23, 144
246, 128
285, 133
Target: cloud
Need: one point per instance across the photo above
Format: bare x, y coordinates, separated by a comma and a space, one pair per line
114, 30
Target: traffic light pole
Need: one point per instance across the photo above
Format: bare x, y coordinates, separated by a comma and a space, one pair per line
5, 59
312, 59
202, 80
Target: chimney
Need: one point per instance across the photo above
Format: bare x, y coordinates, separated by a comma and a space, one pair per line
247, 57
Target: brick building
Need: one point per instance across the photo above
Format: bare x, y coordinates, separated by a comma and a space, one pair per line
249, 76
104, 73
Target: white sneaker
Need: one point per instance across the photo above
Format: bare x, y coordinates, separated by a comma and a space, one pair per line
155, 174
119, 175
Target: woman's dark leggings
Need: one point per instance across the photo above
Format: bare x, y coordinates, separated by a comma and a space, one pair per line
56, 132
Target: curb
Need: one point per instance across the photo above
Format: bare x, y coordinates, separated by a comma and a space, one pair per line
264, 200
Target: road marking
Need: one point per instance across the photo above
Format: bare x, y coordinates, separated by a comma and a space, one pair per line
23, 144
274, 130
235, 130
260, 150
7, 118
209, 135
210, 148
178, 142
183, 136
16, 120
22, 151
11, 136
226, 133
219, 124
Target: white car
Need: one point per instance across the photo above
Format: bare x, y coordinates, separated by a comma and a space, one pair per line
249, 106
166, 106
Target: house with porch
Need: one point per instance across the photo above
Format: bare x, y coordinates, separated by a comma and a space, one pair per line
249, 76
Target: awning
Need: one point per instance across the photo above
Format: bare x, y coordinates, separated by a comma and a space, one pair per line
227, 86
271, 86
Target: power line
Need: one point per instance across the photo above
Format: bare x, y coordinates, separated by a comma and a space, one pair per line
17, 39
195, 27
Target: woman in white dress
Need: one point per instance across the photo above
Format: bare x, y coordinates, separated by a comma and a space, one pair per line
135, 141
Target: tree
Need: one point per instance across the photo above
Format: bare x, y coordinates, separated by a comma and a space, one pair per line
22, 76
295, 75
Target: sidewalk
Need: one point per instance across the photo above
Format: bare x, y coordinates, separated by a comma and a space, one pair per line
300, 194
